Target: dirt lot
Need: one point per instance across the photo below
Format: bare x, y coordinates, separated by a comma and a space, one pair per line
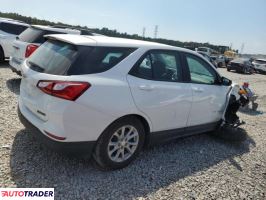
197, 167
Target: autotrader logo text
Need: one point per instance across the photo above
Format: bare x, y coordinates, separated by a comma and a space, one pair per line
27, 193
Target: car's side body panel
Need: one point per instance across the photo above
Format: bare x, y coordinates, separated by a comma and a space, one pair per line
208, 103
166, 103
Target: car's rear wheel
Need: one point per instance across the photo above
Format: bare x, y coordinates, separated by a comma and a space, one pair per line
228, 69
119, 144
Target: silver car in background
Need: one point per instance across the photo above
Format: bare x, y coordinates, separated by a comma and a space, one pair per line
260, 65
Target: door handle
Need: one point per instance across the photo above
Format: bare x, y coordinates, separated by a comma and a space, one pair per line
198, 90
146, 87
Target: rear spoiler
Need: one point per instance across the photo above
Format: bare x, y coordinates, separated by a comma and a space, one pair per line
62, 37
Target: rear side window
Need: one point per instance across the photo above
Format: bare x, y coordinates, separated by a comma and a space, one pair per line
60, 58
159, 65
35, 35
14, 29
97, 59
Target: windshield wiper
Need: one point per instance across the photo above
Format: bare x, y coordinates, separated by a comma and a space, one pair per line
35, 67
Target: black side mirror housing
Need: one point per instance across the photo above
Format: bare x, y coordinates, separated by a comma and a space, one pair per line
226, 81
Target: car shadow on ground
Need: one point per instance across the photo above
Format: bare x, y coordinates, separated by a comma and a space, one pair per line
252, 112
242, 73
14, 85
4, 64
33, 165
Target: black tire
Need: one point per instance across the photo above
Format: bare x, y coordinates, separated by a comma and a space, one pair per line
2, 55
228, 69
220, 65
100, 154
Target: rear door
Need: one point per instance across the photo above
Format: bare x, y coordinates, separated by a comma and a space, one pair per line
157, 86
209, 97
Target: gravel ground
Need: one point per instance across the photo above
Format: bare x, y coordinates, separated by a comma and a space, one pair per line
197, 167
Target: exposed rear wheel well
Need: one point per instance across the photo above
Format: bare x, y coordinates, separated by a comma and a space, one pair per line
142, 120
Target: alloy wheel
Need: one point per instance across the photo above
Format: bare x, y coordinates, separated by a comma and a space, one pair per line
123, 143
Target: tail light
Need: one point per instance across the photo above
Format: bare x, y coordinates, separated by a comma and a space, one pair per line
69, 90
30, 49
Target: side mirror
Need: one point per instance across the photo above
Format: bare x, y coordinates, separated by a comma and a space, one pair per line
226, 81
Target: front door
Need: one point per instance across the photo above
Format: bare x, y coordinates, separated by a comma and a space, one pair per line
209, 97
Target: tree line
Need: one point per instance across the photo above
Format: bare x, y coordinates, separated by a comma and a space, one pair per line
115, 33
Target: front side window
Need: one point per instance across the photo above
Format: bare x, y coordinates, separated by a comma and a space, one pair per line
160, 66
200, 71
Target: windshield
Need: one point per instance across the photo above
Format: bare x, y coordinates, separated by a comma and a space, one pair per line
32, 35
53, 57
35, 35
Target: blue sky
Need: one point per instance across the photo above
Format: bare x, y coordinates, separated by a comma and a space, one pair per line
218, 22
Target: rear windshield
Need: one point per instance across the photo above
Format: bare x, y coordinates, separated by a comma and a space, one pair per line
35, 35
60, 58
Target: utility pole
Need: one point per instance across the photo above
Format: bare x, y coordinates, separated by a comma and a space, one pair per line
143, 32
155, 31
242, 48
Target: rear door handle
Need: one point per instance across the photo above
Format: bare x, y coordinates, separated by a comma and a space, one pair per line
199, 90
15, 47
146, 87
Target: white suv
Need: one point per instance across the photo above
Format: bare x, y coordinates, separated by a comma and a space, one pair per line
29, 40
110, 96
9, 30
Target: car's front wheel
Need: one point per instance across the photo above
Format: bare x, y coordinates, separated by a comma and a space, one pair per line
119, 144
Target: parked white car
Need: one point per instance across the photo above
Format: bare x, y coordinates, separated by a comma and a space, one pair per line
260, 65
9, 30
110, 96
29, 40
